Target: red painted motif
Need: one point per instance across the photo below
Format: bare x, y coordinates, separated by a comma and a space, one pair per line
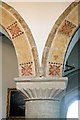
54, 69
15, 30
67, 28
26, 69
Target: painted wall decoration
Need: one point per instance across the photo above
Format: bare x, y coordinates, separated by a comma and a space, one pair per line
67, 28
21, 38
25, 47
14, 30
26, 69
54, 69
58, 41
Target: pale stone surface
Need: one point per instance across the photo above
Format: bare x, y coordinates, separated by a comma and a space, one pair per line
41, 82
42, 109
43, 95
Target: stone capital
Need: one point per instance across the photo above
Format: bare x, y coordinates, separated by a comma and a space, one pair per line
42, 87
43, 95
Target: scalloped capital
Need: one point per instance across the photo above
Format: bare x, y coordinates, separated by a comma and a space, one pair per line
43, 95
42, 87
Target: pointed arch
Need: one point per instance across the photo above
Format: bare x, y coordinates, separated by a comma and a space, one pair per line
22, 40
58, 41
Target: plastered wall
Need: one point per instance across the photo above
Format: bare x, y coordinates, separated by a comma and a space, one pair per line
9, 71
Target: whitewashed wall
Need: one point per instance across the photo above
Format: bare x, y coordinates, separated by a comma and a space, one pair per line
9, 71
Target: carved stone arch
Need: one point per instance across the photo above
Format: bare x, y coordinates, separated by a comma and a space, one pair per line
22, 40
58, 41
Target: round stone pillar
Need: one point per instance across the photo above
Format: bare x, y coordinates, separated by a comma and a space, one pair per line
42, 108
43, 103
43, 96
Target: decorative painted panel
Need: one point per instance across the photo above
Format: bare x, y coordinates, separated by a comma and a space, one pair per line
54, 69
14, 30
27, 69
67, 28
